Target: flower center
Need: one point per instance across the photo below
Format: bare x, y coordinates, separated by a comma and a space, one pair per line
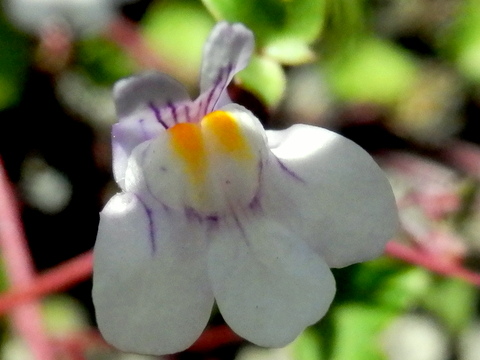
209, 167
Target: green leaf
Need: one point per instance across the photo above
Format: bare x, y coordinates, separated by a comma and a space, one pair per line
346, 24
307, 346
63, 314
375, 71
453, 301
356, 331
276, 23
305, 18
263, 17
177, 32
264, 78
405, 289
461, 42
104, 61
14, 62
384, 282
289, 51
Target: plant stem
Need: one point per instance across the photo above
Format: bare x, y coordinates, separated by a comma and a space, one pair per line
27, 318
431, 262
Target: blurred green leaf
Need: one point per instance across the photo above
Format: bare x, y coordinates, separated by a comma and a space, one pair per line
14, 62
356, 331
404, 289
282, 28
64, 315
461, 42
346, 24
375, 71
289, 51
453, 301
386, 282
264, 78
104, 61
263, 17
4, 282
307, 346
177, 31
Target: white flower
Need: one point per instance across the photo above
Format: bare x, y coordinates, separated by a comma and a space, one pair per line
215, 207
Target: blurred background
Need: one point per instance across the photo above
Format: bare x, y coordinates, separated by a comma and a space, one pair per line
399, 77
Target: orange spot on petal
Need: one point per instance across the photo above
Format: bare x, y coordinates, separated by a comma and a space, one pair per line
187, 142
227, 132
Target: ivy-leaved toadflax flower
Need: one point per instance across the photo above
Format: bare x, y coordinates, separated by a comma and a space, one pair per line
214, 208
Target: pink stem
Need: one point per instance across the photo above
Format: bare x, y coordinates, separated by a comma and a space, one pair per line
77, 344
27, 318
57, 279
431, 262
214, 338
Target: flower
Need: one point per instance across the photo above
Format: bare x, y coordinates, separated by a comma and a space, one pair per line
214, 207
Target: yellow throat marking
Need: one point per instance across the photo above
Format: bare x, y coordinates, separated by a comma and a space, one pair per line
188, 141
228, 135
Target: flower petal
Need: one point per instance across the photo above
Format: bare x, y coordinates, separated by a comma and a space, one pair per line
342, 201
140, 92
126, 136
146, 105
150, 286
226, 52
268, 285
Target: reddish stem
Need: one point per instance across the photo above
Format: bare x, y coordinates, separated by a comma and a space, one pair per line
80, 268
27, 319
57, 279
212, 338
431, 262
76, 344
215, 337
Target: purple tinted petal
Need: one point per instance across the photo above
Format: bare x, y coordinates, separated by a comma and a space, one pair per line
126, 136
226, 52
228, 45
145, 90
146, 105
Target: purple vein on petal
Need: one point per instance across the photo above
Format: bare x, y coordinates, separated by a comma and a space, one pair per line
156, 112
218, 80
173, 110
240, 226
193, 215
208, 108
255, 203
147, 185
200, 113
148, 211
213, 218
187, 113
213, 221
222, 78
290, 172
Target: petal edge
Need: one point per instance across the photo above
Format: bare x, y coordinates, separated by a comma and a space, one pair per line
345, 202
